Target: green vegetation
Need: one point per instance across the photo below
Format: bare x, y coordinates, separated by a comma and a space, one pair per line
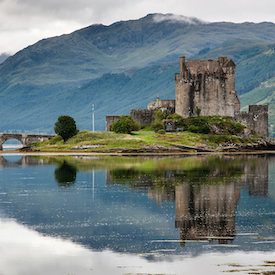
224, 125
65, 127
125, 125
157, 125
227, 132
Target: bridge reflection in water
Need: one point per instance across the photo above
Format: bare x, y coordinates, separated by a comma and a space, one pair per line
21, 161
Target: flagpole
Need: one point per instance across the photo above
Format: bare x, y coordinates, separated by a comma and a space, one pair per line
93, 118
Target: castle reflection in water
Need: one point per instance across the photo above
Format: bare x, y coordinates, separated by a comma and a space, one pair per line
205, 204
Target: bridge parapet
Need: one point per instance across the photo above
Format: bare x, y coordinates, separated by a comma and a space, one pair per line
25, 139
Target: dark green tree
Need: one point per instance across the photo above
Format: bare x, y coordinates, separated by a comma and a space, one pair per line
125, 125
65, 127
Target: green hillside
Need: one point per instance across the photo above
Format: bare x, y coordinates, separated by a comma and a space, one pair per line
111, 94
122, 66
60, 63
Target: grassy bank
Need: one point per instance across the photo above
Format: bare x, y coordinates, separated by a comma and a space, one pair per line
139, 139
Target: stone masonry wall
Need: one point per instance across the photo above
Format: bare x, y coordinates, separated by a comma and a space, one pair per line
207, 85
256, 119
110, 120
161, 104
142, 116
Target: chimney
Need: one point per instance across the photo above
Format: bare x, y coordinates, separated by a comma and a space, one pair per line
210, 66
222, 60
182, 62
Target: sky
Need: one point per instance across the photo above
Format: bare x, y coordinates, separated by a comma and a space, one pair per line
24, 22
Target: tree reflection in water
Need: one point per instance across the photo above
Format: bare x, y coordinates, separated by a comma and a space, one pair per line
65, 175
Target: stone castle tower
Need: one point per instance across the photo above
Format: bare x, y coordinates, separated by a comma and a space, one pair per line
208, 85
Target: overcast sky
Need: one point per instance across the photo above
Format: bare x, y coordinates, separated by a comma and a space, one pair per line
24, 22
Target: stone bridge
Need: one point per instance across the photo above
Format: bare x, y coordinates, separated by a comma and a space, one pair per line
25, 139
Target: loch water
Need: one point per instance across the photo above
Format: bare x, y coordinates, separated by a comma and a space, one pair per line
139, 215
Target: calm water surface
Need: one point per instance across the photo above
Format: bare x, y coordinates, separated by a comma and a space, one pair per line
91, 215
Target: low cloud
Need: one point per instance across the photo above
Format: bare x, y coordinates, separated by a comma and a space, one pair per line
178, 18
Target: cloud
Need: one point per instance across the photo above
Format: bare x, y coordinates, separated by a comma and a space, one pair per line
178, 18
23, 22
25, 251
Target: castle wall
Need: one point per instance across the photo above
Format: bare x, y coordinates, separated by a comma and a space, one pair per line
142, 116
256, 119
161, 104
110, 120
207, 85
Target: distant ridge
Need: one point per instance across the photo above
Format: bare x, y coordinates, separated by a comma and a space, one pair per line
3, 57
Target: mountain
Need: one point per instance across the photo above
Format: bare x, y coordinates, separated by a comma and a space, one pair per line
111, 94
122, 66
3, 57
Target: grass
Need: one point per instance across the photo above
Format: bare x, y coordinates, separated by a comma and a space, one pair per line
138, 139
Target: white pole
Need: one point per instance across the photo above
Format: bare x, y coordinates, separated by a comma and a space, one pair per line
93, 118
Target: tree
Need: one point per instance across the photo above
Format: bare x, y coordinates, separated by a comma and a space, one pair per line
65, 127
125, 125
198, 111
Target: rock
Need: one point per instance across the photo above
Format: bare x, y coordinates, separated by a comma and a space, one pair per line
86, 146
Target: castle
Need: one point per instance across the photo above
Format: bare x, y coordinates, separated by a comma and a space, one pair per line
207, 86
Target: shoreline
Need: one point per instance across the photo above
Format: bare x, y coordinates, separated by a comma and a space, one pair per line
122, 154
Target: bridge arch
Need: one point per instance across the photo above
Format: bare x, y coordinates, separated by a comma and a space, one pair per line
6, 137
25, 139
12, 144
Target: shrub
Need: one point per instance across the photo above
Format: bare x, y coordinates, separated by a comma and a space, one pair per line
193, 128
159, 115
204, 129
65, 127
157, 125
237, 127
198, 111
125, 125
56, 139
161, 132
